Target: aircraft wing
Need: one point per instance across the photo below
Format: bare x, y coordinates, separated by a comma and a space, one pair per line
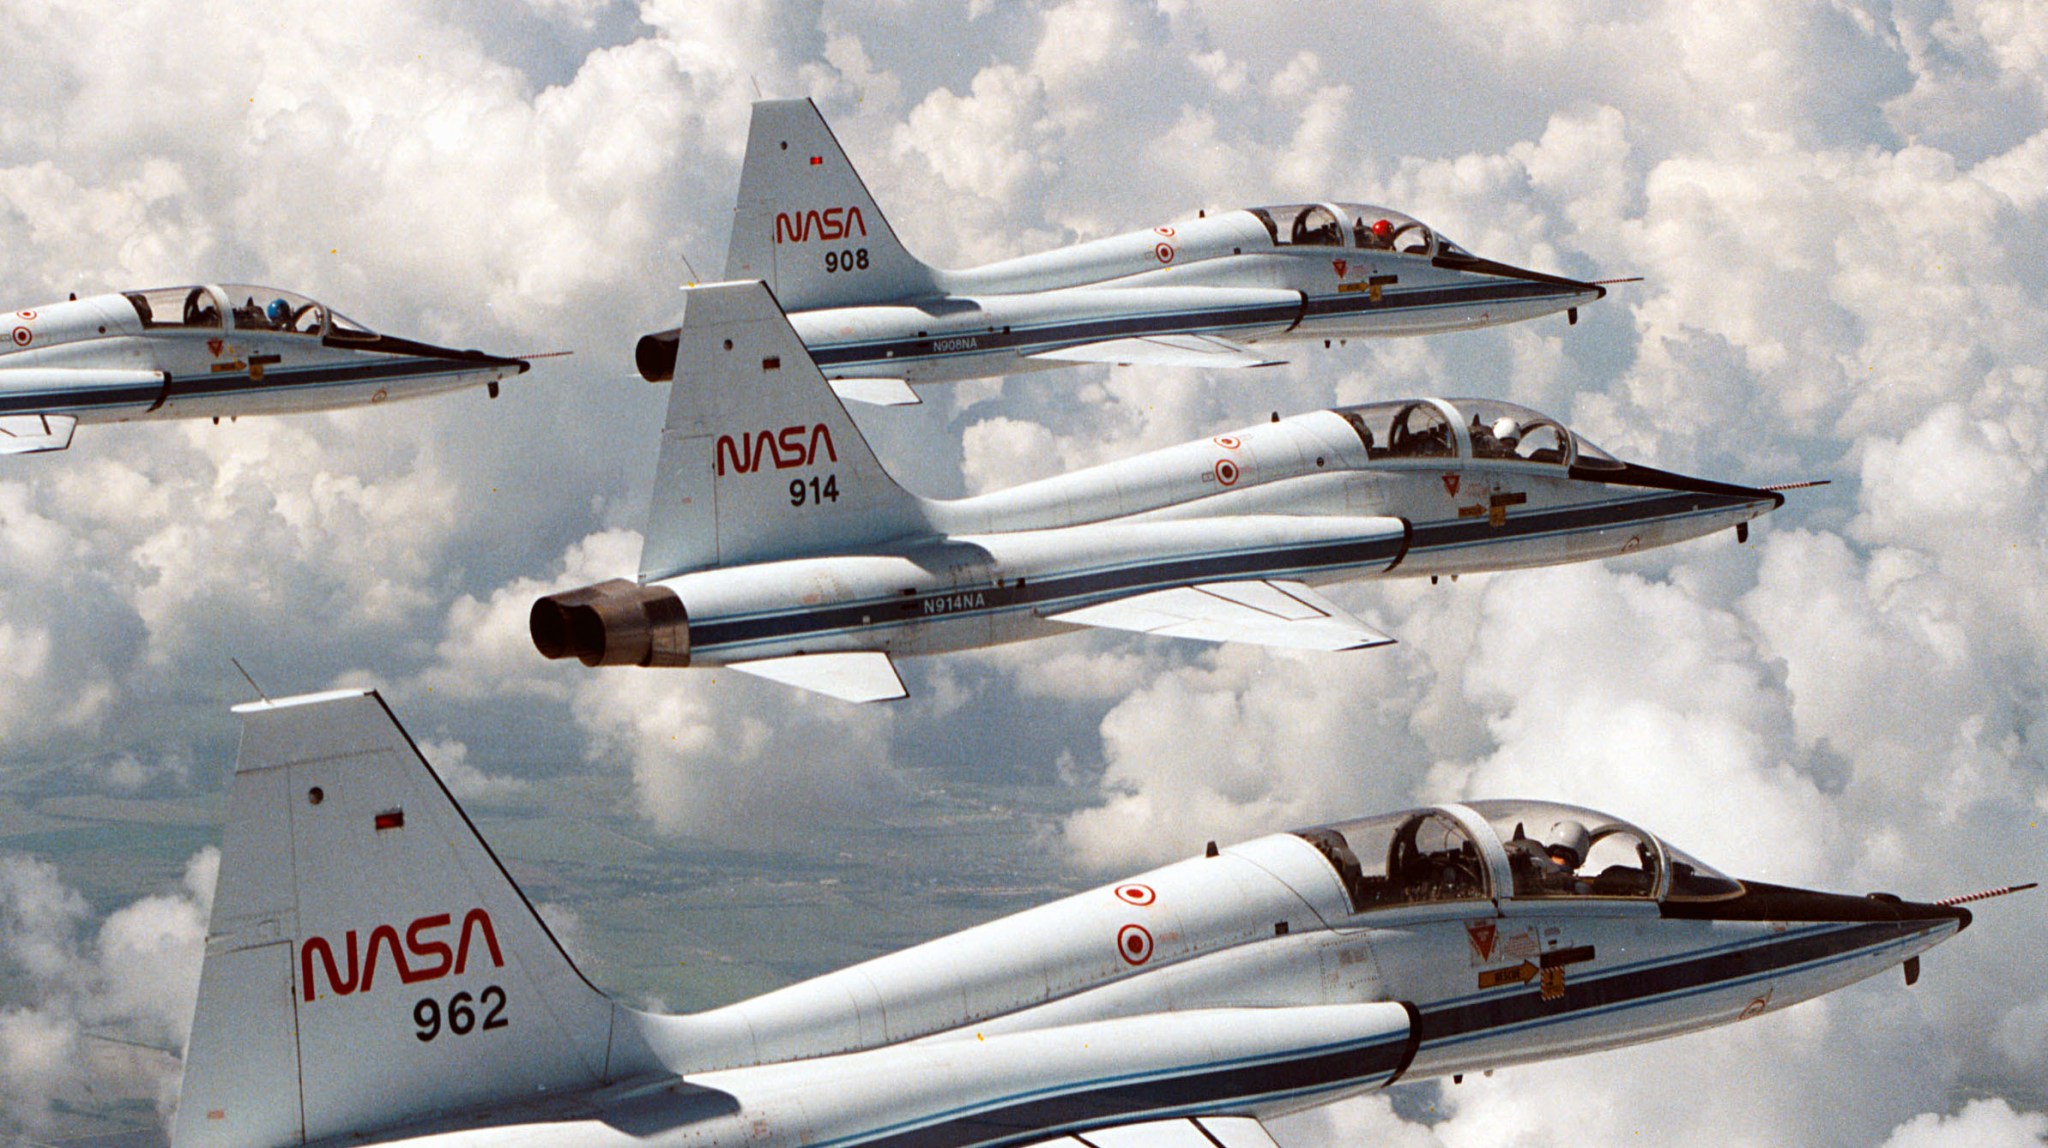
1164, 351
876, 392
1268, 613
30, 434
864, 676
1188, 1132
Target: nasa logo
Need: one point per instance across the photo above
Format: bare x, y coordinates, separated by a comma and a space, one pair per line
790, 447
831, 223
443, 960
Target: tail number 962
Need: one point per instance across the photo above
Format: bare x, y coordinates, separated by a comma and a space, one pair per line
461, 1013
844, 260
810, 492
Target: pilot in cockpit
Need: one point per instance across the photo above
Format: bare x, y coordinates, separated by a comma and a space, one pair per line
1553, 867
1497, 440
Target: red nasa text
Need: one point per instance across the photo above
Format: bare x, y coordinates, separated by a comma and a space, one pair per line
436, 957
791, 446
831, 223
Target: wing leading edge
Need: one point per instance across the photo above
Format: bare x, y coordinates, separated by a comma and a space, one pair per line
1188, 1132
1267, 613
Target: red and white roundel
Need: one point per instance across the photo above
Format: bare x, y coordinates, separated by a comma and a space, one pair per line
29, 315
1134, 944
23, 336
1166, 231
1227, 441
1136, 894
1226, 471
1165, 252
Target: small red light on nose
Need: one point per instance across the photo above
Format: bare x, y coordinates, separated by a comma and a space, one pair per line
816, 160
390, 819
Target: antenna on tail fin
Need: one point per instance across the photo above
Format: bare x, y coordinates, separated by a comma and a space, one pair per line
369, 961
805, 224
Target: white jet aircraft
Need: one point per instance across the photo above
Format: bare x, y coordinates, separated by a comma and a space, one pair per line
374, 976
213, 351
1213, 291
777, 545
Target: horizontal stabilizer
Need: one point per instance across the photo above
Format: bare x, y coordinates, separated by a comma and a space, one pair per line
1164, 351
30, 434
876, 392
1286, 614
1190, 1132
864, 676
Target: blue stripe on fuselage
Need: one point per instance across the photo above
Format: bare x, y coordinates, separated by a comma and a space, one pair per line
1024, 339
1493, 1013
1074, 589
276, 380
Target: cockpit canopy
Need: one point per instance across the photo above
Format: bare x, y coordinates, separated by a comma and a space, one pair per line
1470, 428
1508, 849
1359, 226
241, 307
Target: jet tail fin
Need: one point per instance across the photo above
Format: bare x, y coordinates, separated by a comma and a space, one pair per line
369, 961
759, 459
805, 224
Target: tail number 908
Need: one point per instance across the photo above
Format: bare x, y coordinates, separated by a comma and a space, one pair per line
461, 1014
854, 260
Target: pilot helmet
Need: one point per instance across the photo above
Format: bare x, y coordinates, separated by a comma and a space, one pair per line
1507, 430
1382, 230
1569, 839
279, 312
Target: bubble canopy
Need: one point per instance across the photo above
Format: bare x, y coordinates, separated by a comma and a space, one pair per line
1472, 429
1358, 226
246, 307
1524, 850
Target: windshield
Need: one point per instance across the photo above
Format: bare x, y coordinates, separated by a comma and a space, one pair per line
1381, 229
1559, 850
1306, 224
1493, 429
1416, 428
175, 307
269, 309
1419, 856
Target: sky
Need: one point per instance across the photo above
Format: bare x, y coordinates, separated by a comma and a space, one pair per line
1838, 212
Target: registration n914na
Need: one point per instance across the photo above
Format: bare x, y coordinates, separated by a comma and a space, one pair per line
373, 975
1228, 289
777, 545
210, 351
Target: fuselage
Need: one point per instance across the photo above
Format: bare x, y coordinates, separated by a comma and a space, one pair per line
1243, 275
1261, 979
215, 352
1307, 498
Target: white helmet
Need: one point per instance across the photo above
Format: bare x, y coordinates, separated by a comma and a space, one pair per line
1569, 837
1507, 430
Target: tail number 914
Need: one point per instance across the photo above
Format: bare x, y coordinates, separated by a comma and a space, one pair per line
810, 492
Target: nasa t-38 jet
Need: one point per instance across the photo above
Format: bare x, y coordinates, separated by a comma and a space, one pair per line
777, 545
207, 352
1214, 291
373, 975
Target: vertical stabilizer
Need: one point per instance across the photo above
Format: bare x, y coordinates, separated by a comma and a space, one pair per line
369, 960
805, 223
759, 460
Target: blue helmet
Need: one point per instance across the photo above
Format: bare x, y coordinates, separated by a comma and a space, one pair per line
279, 312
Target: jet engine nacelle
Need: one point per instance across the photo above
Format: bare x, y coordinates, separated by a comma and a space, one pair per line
615, 623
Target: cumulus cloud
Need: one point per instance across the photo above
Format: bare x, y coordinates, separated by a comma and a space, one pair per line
131, 979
